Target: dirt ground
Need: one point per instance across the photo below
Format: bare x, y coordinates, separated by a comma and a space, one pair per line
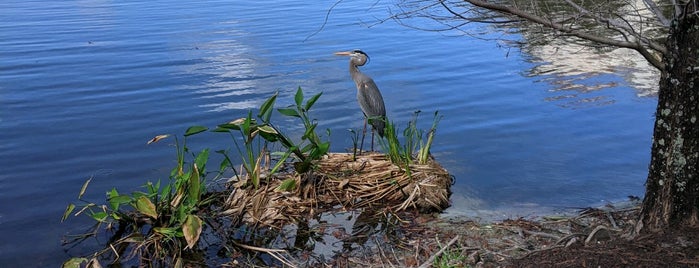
675, 249
594, 238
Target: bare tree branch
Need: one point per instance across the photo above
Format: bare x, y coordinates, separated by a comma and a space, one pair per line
657, 12
626, 27
638, 46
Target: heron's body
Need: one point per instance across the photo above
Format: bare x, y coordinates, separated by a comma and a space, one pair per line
368, 94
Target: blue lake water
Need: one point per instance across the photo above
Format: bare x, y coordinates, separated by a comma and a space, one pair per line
84, 85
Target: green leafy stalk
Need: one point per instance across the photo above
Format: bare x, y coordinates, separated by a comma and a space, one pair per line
414, 149
424, 152
315, 147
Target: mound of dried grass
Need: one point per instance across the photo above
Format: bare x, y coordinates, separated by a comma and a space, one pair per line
369, 182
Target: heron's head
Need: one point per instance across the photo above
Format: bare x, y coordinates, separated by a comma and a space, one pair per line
357, 56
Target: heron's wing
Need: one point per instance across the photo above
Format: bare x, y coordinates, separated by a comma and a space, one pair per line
371, 102
370, 99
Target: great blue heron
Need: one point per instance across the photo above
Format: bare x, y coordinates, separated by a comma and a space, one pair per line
368, 94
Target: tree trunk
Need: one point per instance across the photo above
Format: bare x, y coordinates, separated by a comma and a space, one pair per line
672, 187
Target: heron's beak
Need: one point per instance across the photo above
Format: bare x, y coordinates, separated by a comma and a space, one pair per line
343, 53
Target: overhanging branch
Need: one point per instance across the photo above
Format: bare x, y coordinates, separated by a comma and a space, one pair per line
635, 45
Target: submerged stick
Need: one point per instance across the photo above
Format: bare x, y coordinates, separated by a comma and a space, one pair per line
275, 253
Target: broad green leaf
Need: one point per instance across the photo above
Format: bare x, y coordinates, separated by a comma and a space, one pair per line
145, 206
226, 162
69, 210
289, 112
287, 185
156, 188
268, 132
228, 126
323, 148
194, 130
241, 120
194, 185
74, 263
312, 100
267, 129
115, 216
84, 188
201, 159
269, 137
180, 214
116, 201
191, 229
138, 194
266, 109
245, 126
165, 192
112, 193
99, 216
220, 129
298, 98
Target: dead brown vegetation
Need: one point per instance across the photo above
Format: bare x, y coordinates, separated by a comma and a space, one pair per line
370, 181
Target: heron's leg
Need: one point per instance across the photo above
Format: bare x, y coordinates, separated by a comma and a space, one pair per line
372, 139
361, 145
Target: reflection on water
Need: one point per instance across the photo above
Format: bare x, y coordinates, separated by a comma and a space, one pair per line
572, 64
566, 62
231, 75
574, 69
316, 241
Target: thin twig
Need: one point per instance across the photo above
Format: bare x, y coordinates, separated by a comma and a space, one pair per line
429, 261
325, 21
611, 219
381, 253
275, 253
555, 237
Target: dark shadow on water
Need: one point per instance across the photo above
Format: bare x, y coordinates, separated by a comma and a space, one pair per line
309, 242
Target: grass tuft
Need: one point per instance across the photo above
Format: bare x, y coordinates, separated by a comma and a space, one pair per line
416, 145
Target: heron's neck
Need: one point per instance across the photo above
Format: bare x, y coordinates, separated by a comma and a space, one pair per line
354, 71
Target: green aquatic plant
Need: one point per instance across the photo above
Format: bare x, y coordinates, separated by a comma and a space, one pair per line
416, 144
162, 224
355, 143
254, 149
423, 152
157, 224
313, 147
258, 135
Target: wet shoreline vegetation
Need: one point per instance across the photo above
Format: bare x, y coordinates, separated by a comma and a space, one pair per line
272, 209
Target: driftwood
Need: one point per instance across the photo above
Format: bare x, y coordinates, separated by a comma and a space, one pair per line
369, 182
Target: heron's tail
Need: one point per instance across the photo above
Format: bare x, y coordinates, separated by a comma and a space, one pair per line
379, 124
